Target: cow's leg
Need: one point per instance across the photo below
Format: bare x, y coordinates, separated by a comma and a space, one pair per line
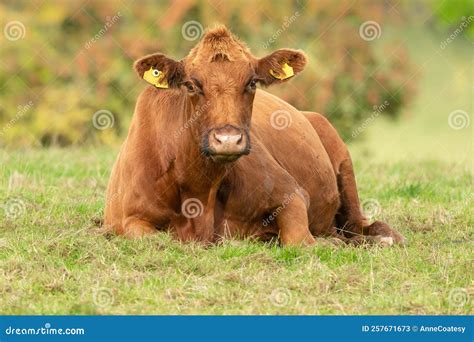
134, 227
292, 222
349, 217
196, 221
195, 229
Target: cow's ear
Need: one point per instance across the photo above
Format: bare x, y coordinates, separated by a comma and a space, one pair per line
160, 71
280, 66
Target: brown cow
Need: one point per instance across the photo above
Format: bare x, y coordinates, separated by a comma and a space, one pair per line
209, 156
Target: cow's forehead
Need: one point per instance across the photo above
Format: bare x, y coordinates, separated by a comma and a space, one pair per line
224, 74
218, 45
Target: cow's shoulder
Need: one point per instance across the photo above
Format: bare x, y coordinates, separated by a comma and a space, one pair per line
150, 143
275, 117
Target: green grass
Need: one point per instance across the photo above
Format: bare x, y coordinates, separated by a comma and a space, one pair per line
54, 261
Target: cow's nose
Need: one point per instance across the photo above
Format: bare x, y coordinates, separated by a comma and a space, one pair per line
227, 142
228, 139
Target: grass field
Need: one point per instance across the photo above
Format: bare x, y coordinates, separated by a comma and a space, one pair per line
53, 261
415, 174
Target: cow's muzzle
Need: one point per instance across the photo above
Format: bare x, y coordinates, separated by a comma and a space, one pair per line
226, 144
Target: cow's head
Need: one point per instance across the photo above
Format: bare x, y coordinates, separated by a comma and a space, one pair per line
220, 76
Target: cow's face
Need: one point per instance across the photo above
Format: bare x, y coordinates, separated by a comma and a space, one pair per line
222, 93
220, 78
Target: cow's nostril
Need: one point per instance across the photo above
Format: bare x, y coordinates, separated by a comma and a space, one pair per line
216, 136
239, 141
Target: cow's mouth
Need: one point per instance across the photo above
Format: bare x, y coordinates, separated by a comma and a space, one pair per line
224, 158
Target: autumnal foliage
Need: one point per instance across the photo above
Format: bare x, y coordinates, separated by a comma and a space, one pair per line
74, 58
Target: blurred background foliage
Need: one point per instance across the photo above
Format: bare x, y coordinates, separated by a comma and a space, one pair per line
67, 75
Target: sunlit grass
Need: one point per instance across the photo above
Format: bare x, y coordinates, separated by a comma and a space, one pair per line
52, 261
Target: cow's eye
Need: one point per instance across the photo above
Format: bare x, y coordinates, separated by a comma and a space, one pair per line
190, 87
252, 85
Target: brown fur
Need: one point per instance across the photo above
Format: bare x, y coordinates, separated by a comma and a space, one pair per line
296, 183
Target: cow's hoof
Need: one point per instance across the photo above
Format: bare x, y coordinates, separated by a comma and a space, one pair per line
383, 241
384, 233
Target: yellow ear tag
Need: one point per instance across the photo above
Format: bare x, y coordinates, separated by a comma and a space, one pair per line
155, 77
287, 72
